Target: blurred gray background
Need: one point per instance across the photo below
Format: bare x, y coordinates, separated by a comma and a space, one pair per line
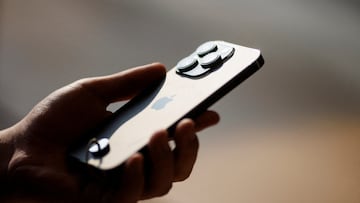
291, 133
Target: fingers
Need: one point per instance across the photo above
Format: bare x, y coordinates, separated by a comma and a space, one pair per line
164, 166
185, 152
132, 182
160, 166
187, 143
126, 84
206, 119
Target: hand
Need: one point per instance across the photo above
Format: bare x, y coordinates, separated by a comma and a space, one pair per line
38, 170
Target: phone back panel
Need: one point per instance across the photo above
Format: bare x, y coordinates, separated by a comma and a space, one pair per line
163, 106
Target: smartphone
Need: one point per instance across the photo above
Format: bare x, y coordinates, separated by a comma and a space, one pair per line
197, 81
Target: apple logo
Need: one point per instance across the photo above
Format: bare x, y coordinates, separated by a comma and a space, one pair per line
162, 102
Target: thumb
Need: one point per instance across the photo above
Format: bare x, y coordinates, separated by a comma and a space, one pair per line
126, 84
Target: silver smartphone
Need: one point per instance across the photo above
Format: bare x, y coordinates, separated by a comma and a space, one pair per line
195, 83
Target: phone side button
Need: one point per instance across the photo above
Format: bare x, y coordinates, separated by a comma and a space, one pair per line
99, 148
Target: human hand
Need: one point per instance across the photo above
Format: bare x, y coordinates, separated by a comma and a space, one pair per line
38, 169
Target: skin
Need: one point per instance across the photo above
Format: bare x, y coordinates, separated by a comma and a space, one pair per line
34, 162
